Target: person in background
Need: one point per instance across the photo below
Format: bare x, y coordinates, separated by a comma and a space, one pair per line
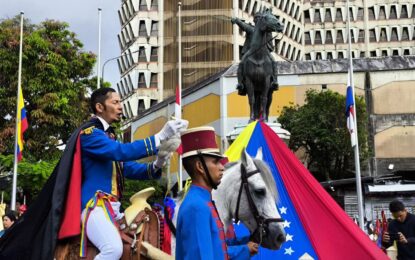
8, 220
402, 230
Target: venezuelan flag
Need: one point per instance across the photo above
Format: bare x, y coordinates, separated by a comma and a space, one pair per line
315, 225
22, 124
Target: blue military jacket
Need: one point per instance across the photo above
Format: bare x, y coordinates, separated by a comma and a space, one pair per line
200, 233
101, 155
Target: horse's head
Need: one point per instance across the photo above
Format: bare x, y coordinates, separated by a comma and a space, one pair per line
251, 196
266, 21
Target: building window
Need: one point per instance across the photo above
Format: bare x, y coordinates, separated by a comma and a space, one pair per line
154, 5
329, 38
307, 38
306, 16
317, 38
154, 54
142, 54
254, 8
329, 55
339, 37
383, 37
393, 14
340, 55
317, 16
362, 54
153, 80
360, 14
382, 13
352, 38
395, 52
141, 106
406, 52
361, 36
384, 53
405, 34
339, 16
318, 55
372, 13
154, 28
142, 6
373, 54
351, 13
296, 13
308, 56
142, 29
394, 34
241, 2
328, 17
404, 12
372, 35
141, 81
413, 11
248, 4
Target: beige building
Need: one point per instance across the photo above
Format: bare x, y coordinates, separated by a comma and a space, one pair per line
314, 30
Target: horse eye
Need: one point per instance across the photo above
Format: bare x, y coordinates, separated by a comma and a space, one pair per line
260, 192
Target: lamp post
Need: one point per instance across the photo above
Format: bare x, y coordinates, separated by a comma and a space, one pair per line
111, 59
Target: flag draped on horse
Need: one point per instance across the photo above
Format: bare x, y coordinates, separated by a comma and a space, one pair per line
315, 224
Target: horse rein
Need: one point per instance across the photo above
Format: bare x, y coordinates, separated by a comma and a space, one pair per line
262, 222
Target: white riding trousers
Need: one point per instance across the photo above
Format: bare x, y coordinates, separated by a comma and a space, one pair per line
103, 234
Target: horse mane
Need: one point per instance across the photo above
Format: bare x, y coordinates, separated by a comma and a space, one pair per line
267, 176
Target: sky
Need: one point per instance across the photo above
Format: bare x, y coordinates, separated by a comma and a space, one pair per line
82, 17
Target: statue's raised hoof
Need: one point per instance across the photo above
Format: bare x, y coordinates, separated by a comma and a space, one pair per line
275, 86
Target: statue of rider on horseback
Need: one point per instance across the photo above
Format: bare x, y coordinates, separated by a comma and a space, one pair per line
257, 72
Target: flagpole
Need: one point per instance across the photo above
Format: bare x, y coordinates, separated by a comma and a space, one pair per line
19, 85
180, 184
99, 49
356, 147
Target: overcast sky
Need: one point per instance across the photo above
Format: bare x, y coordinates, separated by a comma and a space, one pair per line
82, 17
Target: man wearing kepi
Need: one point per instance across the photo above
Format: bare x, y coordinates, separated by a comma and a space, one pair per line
88, 181
200, 232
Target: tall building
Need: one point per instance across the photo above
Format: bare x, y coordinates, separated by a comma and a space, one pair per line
314, 30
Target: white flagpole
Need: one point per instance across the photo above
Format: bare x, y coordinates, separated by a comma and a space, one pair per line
99, 49
356, 147
19, 85
180, 184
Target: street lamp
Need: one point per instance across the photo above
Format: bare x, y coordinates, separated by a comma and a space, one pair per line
114, 58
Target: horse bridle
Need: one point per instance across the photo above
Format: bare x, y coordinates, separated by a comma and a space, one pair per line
262, 222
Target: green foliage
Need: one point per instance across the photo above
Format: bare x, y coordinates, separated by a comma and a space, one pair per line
31, 176
319, 129
55, 80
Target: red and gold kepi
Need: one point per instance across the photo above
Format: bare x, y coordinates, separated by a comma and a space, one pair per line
200, 140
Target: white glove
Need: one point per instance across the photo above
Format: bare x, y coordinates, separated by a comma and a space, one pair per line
161, 160
171, 128
116, 209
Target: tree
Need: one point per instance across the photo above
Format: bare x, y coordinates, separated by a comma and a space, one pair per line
55, 79
319, 129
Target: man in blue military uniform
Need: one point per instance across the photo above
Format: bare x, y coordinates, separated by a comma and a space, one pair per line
105, 162
200, 232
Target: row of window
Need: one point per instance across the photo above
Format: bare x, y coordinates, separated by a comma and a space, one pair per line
127, 36
328, 55
382, 34
126, 12
142, 30
291, 53
127, 61
357, 13
288, 7
126, 86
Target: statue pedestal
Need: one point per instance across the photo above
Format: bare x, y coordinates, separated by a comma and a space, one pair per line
276, 127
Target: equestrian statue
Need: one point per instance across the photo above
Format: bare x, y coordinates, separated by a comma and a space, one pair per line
257, 71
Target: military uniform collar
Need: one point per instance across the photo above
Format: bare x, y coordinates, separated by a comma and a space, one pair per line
103, 122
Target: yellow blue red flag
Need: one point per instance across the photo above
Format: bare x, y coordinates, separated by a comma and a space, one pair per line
21, 124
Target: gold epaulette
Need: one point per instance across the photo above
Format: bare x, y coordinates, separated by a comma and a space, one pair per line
88, 130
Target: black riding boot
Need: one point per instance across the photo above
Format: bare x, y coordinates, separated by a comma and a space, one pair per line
241, 89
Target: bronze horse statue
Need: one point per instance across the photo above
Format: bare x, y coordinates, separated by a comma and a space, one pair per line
257, 65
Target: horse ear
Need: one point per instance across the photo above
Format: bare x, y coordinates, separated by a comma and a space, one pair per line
246, 158
259, 154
